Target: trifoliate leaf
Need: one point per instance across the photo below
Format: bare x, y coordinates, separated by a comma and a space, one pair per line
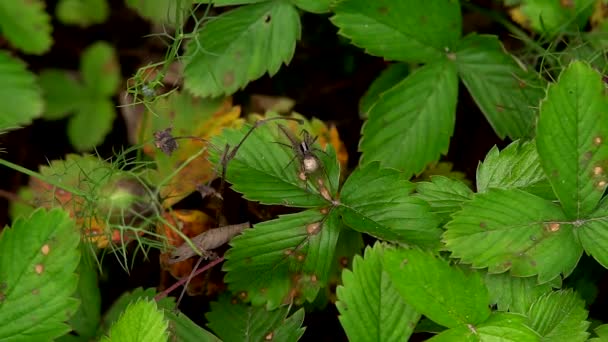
571, 139
100, 69
504, 91
266, 170
370, 306
282, 258
20, 96
37, 276
411, 124
593, 234
514, 294
420, 31
376, 201
141, 321
442, 293
513, 230
516, 166
86, 320
240, 46
62, 93
164, 11
82, 12
502, 326
559, 316
26, 25
91, 123
392, 75
234, 321
313, 6
444, 195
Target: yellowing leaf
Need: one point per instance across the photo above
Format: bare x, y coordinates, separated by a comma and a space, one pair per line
193, 121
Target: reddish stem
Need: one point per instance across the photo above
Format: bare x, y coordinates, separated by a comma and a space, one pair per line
166, 292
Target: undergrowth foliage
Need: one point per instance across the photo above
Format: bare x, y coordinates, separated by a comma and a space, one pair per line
462, 263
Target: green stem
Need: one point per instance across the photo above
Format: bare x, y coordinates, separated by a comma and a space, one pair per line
31, 173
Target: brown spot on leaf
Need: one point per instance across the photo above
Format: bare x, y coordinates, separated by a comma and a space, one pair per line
344, 262
507, 264
45, 249
269, 336
500, 108
288, 252
567, 3
300, 257
597, 170
228, 78
2, 297
553, 227
587, 155
324, 211
601, 184
522, 84
35, 291
243, 295
483, 224
313, 228
597, 140
313, 278
403, 263
383, 10
39, 268
533, 263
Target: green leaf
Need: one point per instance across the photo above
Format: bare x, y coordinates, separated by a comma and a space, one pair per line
37, 276
376, 201
370, 306
444, 195
82, 12
559, 316
86, 320
239, 322
26, 25
141, 321
240, 46
516, 166
220, 3
100, 69
444, 294
313, 6
62, 93
504, 91
514, 294
266, 171
501, 326
389, 77
593, 234
283, 257
602, 333
513, 230
411, 125
164, 11
571, 135
120, 305
552, 17
419, 31
20, 96
183, 329
91, 123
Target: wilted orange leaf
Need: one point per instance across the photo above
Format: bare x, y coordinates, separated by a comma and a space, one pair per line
193, 121
191, 223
